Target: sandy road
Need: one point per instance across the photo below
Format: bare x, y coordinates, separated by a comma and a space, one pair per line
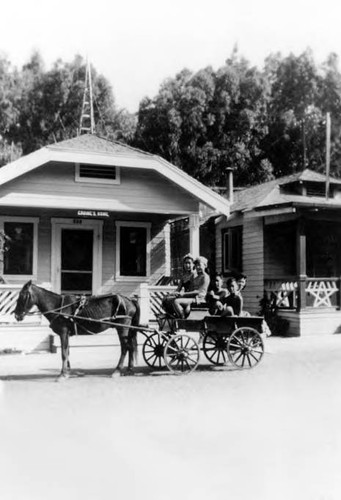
270, 433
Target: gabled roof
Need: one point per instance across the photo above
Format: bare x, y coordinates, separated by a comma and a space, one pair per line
96, 150
269, 194
94, 144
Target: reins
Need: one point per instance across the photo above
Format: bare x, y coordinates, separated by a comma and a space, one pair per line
51, 311
74, 318
109, 323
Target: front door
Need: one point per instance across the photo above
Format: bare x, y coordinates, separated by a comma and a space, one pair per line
76, 256
77, 261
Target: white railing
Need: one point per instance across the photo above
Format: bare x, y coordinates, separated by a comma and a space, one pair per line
150, 302
322, 292
284, 292
294, 293
151, 297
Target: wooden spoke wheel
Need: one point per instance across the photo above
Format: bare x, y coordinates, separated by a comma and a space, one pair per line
153, 350
245, 347
215, 348
182, 354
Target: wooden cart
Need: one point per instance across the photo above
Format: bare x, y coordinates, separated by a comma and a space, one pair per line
178, 342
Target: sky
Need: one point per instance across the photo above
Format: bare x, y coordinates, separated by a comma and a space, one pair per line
137, 44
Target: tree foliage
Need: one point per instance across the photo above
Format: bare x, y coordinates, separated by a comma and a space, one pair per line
39, 106
262, 123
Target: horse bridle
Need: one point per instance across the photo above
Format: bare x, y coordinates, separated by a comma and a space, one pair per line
25, 302
28, 296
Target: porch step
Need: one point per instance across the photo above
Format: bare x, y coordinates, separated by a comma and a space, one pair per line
24, 338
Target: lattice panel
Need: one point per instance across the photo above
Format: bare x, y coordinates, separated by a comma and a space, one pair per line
8, 300
322, 292
284, 292
156, 303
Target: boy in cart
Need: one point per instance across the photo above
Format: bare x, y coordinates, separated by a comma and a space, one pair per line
233, 303
216, 295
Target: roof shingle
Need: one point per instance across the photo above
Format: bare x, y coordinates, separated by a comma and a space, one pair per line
269, 193
96, 144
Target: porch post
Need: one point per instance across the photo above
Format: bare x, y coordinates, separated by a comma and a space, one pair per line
301, 263
194, 235
144, 301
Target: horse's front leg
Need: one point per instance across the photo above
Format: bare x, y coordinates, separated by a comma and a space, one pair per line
123, 337
65, 352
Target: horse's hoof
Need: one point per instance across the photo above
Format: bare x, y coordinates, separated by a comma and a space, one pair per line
129, 372
62, 377
78, 374
116, 374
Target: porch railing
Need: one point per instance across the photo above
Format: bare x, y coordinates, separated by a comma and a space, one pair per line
151, 297
287, 293
300, 293
283, 291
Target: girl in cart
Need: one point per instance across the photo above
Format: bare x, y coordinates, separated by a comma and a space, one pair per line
197, 290
188, 274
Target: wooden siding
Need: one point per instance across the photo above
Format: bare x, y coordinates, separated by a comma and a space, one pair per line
44, 250
158, 256
253, 258
312, 322
158, 262
223, 224
218, 248
158, 267
139, 190
253, 264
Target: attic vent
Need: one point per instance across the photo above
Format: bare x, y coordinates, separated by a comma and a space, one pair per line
101, 174
316, 189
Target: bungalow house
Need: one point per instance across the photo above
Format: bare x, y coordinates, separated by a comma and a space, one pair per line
91, 216
285, 235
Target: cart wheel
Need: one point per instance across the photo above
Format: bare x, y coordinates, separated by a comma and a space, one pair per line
215, 348
153, 350
182, 354
245, 347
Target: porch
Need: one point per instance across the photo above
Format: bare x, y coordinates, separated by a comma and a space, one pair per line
310, 305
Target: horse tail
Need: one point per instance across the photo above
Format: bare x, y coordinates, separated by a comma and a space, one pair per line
135, 321
137, 314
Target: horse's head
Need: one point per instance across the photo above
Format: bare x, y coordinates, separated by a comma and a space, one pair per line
25, 302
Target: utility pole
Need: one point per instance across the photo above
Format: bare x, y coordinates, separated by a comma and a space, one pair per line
328, 127
304, 145
87, 122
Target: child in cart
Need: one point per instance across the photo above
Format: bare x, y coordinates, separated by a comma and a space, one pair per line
197, 290
183, 286
216, 295
233, 303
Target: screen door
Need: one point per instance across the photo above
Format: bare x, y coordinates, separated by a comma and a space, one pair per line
77, 260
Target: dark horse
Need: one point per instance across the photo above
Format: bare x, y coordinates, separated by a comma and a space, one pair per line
65, 311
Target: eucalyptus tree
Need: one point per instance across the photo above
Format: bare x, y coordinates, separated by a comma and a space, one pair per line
208, 121
295, 117
48, 104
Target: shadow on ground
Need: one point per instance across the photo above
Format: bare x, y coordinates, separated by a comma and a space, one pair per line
52, 374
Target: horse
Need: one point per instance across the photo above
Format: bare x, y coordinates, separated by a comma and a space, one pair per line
92, 315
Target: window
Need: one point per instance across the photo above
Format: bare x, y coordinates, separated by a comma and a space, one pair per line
98, 174
20, 259
132, 250
316, 189
232, 249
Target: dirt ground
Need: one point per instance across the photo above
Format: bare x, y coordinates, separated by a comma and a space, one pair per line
270, 433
